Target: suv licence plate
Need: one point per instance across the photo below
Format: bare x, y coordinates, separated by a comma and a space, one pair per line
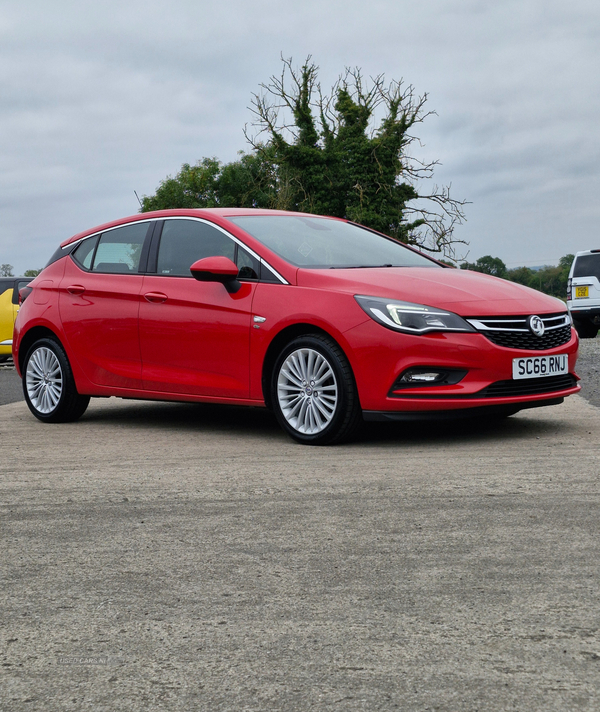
540, 366
582, 292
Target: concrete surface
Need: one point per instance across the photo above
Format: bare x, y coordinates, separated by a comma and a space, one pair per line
11, 389
180, 557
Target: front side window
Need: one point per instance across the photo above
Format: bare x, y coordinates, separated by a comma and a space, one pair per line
183, 242
119, 250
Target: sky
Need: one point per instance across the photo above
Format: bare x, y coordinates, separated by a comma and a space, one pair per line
98, 100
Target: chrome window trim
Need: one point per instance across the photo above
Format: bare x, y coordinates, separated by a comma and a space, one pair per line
70, 245
186, 217
273, 271
231, 237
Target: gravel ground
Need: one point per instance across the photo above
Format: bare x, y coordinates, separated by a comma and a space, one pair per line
10, 384
162, 556
172, 557
588, 368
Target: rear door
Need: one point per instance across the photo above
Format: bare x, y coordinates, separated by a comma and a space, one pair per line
99, 300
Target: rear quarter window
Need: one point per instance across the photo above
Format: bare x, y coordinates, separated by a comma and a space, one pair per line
84, 254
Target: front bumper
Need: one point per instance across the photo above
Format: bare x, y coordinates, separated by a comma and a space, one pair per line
483, 411
487, 384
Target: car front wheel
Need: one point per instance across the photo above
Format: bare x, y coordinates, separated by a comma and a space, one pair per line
49, 386
314, 393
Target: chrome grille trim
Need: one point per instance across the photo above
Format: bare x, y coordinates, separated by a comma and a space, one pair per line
513, 333
491, 323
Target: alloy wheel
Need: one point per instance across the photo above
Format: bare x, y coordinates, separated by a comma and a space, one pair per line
44, 380
307, 391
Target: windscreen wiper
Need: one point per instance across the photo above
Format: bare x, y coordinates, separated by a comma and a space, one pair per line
363, 266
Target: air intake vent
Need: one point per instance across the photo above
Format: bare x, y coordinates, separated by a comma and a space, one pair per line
528, 387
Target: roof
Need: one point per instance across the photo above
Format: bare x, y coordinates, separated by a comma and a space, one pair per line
185, 212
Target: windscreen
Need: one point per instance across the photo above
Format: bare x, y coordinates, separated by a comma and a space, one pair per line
315, 242
587, 266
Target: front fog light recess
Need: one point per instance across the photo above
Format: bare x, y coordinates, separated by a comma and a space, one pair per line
414, 376
421, 376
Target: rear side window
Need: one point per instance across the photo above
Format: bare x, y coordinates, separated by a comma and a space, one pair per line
119, 250
587, 266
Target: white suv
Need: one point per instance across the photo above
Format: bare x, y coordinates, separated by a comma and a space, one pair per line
583, 293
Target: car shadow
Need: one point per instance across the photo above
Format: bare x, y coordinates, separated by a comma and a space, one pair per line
185, 416
465, 430
260, 422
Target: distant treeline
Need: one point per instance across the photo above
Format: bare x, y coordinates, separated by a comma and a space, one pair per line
550, 280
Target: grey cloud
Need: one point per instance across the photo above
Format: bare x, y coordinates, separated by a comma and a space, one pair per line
104, 98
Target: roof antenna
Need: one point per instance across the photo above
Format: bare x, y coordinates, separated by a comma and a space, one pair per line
138, 197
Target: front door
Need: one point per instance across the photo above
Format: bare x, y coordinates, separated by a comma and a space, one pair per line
194, 336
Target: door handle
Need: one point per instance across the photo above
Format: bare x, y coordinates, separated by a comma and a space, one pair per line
76, 289
155, 297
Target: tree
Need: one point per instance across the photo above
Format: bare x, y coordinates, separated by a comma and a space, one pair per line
487, 265
193, 187
521, 275
31, 272
6, 270
333, 159
325, 155
246, 183
549, 279
565, 263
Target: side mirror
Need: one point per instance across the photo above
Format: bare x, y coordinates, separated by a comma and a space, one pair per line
217, 269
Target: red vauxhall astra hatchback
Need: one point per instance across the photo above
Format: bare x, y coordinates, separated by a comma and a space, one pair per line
322, 320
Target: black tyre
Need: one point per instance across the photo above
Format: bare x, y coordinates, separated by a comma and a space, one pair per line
585, 329
49, 386
313, 392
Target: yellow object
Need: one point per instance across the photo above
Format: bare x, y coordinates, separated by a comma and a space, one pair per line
9, 307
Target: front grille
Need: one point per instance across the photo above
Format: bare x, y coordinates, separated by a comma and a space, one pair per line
527, 387
512, 332
529, 341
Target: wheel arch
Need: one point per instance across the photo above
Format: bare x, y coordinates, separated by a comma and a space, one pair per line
289, 333
35, 333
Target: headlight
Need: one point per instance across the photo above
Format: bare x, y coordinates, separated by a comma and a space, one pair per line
411, 318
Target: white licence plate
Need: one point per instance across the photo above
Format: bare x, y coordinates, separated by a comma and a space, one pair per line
540, 366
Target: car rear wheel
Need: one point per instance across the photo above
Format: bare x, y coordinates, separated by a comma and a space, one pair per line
314, 393
49, 386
